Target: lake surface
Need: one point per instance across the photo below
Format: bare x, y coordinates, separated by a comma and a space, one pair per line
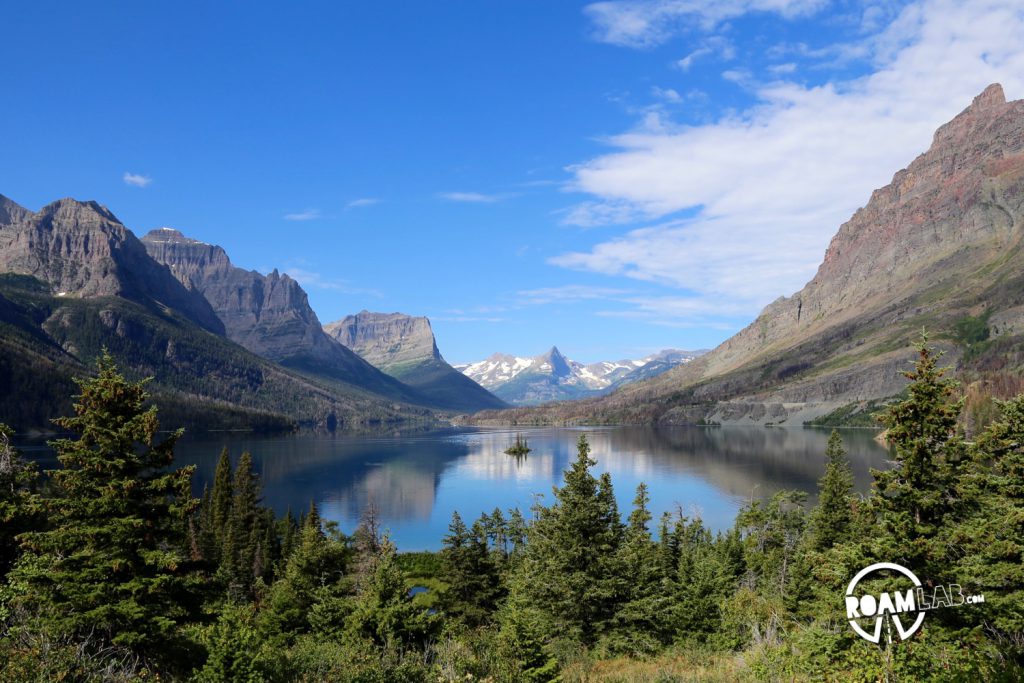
417, 481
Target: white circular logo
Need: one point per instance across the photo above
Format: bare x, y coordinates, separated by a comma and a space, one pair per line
884, 605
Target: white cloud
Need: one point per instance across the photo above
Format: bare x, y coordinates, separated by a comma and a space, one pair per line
313, 280
136, 179
307, 215
472, 197
362, 201
646, 23
686, 62
667, 94
767, 188
568, 294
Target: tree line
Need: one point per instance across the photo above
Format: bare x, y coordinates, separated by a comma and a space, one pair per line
112, 570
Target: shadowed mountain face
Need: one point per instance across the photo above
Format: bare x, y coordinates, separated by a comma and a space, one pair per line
81, 250
74, 281
404, 347
939, 245
267, 314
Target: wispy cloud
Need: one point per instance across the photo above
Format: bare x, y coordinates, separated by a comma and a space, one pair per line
307, 215
310, 279
472, 197
466, 319
646, 23
136, 179
763, 190
568, 294
362, 201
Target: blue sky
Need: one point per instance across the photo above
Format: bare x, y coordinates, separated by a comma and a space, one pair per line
613, 178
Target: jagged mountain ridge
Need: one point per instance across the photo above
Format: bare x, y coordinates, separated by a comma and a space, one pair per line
940, 244
405, 347
269, 315
551, 376
74, 280
82, 250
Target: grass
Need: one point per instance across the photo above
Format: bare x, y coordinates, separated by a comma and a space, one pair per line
695, 667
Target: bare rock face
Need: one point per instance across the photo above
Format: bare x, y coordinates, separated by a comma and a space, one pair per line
269, 315
404, 347
82, 250
386, 339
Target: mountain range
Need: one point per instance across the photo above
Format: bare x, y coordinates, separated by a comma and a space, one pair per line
938, 249
226, 347
553, 377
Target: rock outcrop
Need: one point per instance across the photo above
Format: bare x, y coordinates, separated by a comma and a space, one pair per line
267, 314
404, 347
387, 340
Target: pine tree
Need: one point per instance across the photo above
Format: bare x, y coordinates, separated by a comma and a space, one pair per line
569, 558
316, 568
470, 571
921, 490
242, 553
222, 495
641, 623
831, 518
112, 564
384, 613
17, 511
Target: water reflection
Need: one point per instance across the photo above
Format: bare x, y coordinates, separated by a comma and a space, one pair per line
417, 481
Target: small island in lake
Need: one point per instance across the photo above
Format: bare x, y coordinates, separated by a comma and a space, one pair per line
519, 448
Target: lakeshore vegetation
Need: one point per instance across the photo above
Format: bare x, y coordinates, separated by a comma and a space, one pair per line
112, 571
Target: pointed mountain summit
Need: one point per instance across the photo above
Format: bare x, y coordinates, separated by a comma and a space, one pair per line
267, 314
82, 250
404, 347
75, 282
939, 248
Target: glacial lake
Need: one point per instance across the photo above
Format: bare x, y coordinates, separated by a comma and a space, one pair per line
416, 481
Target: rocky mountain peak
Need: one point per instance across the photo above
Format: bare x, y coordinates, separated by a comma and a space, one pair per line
386, 340
991, 96
72, 210
81, 249
11, 211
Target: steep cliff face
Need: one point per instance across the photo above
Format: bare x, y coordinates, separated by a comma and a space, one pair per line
404, 347
951, 211
942, 242
267, 314
81, 250
387, 340
74, 281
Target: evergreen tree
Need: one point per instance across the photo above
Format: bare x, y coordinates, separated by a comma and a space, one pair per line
641, 624
922, 489
242, 557
522, 654
470, 570
831, 518
384, 613
316, 568
111, 565
571, 552
992, 536
16, 508
221, 497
